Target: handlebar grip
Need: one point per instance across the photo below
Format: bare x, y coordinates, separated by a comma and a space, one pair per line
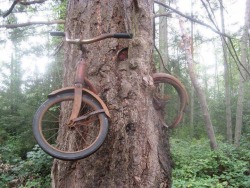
123, 35
57, 33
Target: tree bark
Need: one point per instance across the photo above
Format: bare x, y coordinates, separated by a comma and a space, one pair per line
200, 93
136, 150
240, 101
226, 81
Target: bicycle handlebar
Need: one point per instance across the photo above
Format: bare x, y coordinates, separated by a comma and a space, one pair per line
57, 33
95, 39
123, 35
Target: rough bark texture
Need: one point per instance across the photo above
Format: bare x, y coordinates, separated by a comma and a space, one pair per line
200, 93
136, 150
240, 101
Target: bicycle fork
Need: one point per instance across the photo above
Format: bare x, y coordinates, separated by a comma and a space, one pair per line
80, 80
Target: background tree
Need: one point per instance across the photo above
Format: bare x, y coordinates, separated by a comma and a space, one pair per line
244, 59
22, 91
163, 36
226, 79
200, 93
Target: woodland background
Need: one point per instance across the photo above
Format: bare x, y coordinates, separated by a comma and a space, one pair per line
30, 68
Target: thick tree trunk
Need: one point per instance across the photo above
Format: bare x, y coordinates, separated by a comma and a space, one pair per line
226, 81
240, 102
200, 93
136, 150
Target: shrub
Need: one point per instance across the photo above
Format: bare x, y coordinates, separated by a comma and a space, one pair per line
32, 172
197, 166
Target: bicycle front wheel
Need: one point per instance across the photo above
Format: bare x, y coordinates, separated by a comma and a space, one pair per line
63, 139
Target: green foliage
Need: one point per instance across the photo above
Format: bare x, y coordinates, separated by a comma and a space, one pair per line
197, 166
32, 172
22, 91
60, 9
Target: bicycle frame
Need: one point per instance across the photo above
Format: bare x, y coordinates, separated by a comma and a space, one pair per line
80, 79
80, 82
70, 89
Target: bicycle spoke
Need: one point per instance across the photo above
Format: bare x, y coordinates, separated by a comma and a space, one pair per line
50, 121
48, 112
53, 136
81, 136
87, 122
50, 129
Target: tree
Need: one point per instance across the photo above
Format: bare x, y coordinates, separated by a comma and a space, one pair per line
226, 80
163, 37
200, 93
136, 151
244, 45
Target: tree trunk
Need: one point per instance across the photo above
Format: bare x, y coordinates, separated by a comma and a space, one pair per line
240, 102
15, 82
192, 87
226, 81
200, 93
136, 150
163, 37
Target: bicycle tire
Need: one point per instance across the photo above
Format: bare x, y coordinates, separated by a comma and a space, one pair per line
57, 145
163, 78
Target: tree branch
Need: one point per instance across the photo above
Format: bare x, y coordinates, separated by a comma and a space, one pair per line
163, 64
11, 8
223, 38
168, 14
211, 28
32, 2
22, 3
192, 19
11, 26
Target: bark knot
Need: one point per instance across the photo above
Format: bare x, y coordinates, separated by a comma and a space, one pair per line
148, 81
138, 41
133, 64
125, 89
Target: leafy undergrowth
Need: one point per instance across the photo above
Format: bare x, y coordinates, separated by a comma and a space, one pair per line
195, 165
32, 172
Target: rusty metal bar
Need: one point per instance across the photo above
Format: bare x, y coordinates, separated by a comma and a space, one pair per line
88, 115
77, 101
98, 38
80, 72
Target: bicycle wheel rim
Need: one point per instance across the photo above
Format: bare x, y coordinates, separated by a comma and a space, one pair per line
171, 81
59, 153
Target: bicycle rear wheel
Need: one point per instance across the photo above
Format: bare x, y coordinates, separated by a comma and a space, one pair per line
170, 97
63, 139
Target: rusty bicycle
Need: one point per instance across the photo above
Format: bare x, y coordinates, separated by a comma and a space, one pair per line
78, 114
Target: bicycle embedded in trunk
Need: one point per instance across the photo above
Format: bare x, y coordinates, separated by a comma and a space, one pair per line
73, 113
73, 122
